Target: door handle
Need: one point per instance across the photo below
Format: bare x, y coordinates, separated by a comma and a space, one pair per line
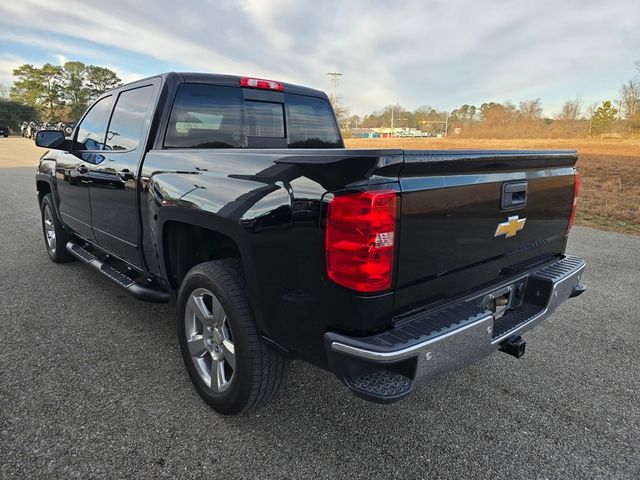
125, 174
514, 195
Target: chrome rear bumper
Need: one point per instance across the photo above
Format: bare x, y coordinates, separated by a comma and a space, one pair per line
385, 367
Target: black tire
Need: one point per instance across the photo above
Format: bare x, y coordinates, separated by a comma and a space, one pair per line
58, 253
259, 370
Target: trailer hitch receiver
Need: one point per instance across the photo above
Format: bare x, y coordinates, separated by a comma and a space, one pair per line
514, 346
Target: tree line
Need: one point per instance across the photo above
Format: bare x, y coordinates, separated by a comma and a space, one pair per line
493, 119
61, 93
54, 93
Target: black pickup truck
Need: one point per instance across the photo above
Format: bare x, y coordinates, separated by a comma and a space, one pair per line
386, 267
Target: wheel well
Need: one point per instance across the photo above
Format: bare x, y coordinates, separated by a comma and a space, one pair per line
186, 246
43, 188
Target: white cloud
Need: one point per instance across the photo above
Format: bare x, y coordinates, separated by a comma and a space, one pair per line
124, 74
7, 64
60, 59
415, 52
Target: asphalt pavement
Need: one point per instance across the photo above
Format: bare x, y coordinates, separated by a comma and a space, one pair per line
92, 385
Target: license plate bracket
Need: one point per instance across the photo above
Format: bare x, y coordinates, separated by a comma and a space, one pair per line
506, 298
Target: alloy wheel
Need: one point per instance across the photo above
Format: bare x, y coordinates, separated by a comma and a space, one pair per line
210, 340
49, 229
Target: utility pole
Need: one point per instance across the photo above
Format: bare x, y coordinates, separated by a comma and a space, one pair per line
333, 93
392, 120
446, 124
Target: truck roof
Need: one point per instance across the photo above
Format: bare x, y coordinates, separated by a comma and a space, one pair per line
223, 79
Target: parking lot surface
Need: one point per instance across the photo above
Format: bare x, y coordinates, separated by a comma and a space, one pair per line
92, 385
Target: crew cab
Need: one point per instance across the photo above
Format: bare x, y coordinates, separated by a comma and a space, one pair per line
236, 196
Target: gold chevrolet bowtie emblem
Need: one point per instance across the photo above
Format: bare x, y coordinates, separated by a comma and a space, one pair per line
511, 227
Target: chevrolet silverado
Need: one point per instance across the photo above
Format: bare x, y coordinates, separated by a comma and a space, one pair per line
236, 197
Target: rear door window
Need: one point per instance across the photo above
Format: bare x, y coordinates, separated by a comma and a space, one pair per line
125, 128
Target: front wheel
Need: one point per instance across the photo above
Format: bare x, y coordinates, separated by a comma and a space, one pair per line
231, 366
55, 236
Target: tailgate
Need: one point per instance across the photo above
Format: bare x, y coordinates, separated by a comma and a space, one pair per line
461, 217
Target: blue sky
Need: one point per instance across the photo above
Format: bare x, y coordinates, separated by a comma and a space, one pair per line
442, 53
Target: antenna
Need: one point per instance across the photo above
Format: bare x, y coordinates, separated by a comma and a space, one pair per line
333, 93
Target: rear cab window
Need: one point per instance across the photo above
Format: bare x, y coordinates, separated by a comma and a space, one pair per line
264, 119
311, 123
206, 116
216, 116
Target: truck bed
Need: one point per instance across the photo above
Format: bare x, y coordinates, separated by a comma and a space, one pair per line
449, 210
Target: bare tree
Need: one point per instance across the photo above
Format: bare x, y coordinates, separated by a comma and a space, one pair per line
531, 109
571, 110
342, 112
630, 98
4, 91
591, 111
569, 115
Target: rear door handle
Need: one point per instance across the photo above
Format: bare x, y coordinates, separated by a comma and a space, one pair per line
514, 195
125, 174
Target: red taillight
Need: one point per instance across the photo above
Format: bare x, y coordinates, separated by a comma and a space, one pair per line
360, 240
260, 83
576, 192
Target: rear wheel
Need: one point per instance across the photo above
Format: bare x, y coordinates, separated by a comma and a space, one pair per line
232, 368
55, 237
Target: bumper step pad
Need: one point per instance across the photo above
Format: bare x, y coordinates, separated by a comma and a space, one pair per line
541, 288
381, 386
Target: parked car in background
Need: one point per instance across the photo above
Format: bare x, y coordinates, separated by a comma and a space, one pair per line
4, 131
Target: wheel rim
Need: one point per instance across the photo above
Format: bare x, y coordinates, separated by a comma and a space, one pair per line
49, 229
210, 340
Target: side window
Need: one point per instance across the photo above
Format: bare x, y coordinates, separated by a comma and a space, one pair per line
127, 121
206, 116
93, 127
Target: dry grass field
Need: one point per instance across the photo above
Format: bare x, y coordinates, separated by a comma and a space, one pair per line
610, 195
